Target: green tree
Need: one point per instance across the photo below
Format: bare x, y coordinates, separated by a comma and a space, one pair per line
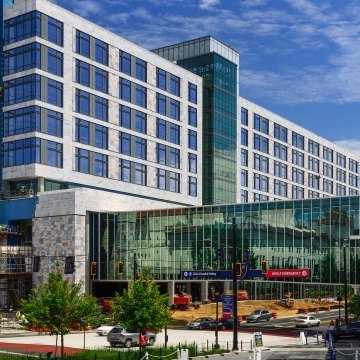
354, 306
57, 306
142, 307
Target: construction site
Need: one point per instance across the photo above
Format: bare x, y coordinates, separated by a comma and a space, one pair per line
16, 263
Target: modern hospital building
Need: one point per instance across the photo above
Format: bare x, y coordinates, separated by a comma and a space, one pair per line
115, 154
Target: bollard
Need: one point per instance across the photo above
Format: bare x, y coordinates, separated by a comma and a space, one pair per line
241, 348
251, 344
227, 347
207, 344
306, 336
317, 338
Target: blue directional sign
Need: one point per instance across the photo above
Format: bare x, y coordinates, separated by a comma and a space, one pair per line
227, 304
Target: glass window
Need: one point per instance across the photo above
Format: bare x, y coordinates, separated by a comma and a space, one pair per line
21, 152
174, 157
297, 192
341, 175
244, 116
174, 85
353, 165
280, 169
192, 89
100, 166
125, 143
22, 89
192, 116
328, 186
340, 190
141, 67
82, 160
174, 133
261, 124
280, 188
280, 132
297, 140
314, 164
140, 148
174, 181
54, 92
125, 62
161, 79
161, 179
82, 102
83, 43
140, 95
244, 178
192, 163
174, 109
140, 122
139, 174
55, 62
314, 181
192, 140
161, 129
101, 80
297, 158
328, 170
192, 186
314, 147
160, 104
244, 137
244, 196
55, 31
82, 131
298, 176
341, 160
161, 154
327, 154
82, 73
101, 108
125, 89
125, 170
54, 152
261, 143
280, 151
101, 136
125, 116
244, 157
101, 52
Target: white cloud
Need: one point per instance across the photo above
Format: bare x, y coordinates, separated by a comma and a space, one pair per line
351, 145
86, 8
208, 4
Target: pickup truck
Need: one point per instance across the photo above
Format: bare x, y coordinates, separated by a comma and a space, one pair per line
119, 336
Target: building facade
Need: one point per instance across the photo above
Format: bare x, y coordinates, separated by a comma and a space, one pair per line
110, 150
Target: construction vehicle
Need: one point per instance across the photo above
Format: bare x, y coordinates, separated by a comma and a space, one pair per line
183, 301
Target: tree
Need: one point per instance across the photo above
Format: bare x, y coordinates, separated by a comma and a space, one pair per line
354, 306
142, 307
57, 306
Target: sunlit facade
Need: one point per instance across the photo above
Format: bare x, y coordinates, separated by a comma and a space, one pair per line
301, 234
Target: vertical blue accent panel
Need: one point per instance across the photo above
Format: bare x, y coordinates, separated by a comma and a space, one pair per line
20, 209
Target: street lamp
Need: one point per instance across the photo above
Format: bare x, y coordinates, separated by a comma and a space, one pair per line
217, 298
235, 326
345, 284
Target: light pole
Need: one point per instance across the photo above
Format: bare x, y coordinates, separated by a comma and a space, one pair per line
345, 286
235, 327
217, 298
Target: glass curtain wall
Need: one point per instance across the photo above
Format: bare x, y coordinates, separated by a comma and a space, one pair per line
304, 234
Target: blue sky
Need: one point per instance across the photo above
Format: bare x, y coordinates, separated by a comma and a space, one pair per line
298, 58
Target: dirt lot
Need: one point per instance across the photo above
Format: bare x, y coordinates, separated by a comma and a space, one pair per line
246, 307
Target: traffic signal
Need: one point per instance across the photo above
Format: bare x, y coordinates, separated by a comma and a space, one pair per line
264, 267
93, 268
120, 267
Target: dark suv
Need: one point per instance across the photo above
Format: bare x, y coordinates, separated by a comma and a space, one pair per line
346, 331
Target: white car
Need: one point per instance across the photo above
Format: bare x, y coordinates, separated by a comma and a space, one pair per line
104, 330
307, 321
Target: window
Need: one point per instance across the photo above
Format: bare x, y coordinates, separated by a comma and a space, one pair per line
20, 152
261, 124
244, 157
89, 162
161, 79
174, 181
313, 164
298, 158
161, 154
32, 118
327, 154
244, 116
244, 178
82, 131
140, 69
83, 43
313, 194
125, 62
280, 169
161, 179
54, 92
261, 143
298, 176
192, 160
353, 192
341, 160
280, 151
82, 160
125, 143
328, 170
125, 170
340, 190
244, 196
101, 136
297, 140
244, 137
132, 145
101, 108
92, 48
175, 86
297, 192
167, 155
192, 186
140, 122
353, 165
32, 24
280, 188
140, 147
174, 157
314, 147
261, 182
139, 174
260, 197
353, 180
174, 109
125, 116
125, 89
261, 163
101, 52
140, 95
83, 73
280, 132
341, 175
82, 102
161, 104
192, 113
314, 181
192, 140
101, 80
174, 133
328, 186
161, 129
100, 166
192, 89
168, 180
55, 61
53, 155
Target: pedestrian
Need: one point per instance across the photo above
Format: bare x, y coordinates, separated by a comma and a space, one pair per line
331, 325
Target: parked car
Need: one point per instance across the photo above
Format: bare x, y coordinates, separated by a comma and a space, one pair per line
258, 315
202, 323
119, 336
227, 324
307, 321
345, 331
104, 330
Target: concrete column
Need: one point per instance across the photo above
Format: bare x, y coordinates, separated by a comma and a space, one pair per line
204, 289
170, 290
